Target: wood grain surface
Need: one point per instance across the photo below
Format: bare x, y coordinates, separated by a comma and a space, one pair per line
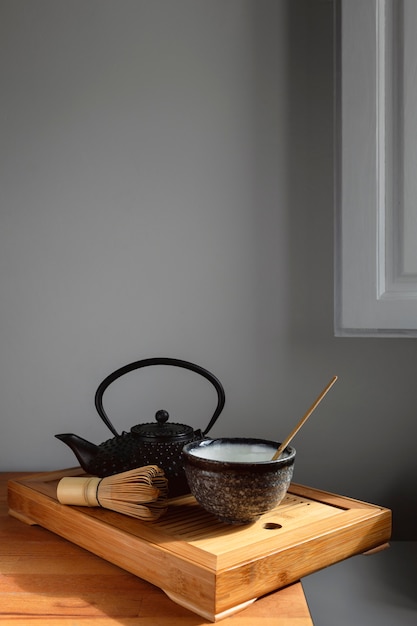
45, 579
207, 566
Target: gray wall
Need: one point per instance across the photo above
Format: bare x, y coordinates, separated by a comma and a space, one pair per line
166, 190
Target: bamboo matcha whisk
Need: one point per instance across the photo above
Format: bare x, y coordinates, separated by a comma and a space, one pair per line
140, 493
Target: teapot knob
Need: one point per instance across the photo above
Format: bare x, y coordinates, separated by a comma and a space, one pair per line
162, 417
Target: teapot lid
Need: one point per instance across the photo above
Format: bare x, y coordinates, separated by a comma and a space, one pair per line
161, 431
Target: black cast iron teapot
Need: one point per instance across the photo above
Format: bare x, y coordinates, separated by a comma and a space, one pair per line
153, 443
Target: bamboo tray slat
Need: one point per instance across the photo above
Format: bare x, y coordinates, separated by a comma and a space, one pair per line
209, 567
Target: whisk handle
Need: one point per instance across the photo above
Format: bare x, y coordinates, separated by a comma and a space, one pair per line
78, 491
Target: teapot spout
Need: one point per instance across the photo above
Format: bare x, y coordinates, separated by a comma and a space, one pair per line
84, 450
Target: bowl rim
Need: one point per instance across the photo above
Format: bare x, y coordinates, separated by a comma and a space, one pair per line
216, 463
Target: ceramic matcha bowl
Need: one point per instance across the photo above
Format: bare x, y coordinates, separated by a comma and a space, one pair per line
235, 478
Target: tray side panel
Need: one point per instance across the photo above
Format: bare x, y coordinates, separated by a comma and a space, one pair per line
260, 576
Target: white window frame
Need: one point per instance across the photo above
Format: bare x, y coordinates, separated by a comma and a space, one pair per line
375, 216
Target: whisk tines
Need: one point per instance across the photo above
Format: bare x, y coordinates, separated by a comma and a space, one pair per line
141, 493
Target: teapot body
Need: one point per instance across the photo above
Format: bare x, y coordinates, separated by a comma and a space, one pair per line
125, 452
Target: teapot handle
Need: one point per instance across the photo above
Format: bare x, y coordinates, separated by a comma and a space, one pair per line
98, 400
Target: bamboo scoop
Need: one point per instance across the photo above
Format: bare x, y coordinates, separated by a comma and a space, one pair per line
303, 419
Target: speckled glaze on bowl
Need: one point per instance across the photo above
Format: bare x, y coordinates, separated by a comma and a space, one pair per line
237, 492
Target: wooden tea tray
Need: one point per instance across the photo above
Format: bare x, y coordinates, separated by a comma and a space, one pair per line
202, 564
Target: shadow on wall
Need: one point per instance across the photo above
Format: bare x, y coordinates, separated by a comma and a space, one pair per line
402, 500
310, 172
396, 568
309, 297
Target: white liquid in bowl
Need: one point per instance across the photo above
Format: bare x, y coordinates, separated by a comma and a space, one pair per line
237, 452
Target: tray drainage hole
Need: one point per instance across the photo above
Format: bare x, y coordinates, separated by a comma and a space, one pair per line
272, 526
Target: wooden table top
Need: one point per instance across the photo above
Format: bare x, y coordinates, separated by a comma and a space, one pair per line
45, 576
